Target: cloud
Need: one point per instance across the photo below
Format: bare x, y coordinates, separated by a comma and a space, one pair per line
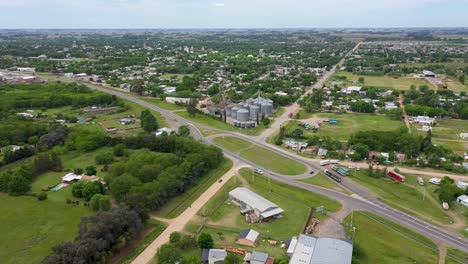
216, 4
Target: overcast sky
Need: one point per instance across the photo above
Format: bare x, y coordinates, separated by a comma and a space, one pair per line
232, 13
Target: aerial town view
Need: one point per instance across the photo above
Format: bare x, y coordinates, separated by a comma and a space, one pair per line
256, 132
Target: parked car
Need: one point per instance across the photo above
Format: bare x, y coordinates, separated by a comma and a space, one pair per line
435, 181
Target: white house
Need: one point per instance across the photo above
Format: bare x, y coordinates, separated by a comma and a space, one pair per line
281, 93
424, 120
25, 69
390, 106
463, 135
174, 100
463, 200
71, 177
162, 130
462, 185
351, 89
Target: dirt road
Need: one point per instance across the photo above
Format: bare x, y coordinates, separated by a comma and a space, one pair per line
177, 224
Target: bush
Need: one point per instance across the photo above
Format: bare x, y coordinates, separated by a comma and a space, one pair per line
92, 188
174, 237
42, 196
120, 150
104, 158
100, 202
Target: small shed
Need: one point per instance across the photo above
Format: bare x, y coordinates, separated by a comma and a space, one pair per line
463, 200
248, 237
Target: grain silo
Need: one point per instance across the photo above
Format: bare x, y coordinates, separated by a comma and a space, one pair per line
228, 110
242, 115
234, 112
254, 110
267, 108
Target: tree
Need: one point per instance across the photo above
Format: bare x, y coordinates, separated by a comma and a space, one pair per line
106, 157
361, 80
18, 185
148, 121
100, 202
77, 189
205, 241
192, 107
78, 171
168, 254
174, 237
361, 151
297, 133
121, 185
184, 131
92, 188
42, 196
120, 150
90, 170
380, 159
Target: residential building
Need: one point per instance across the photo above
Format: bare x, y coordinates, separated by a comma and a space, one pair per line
248, 237
463, 135
161, 131
424, 120
429, 74
310, 249
253, 206
462, 185
463, 200
213, 256
390, 106
260, 258
174, 100
71, 177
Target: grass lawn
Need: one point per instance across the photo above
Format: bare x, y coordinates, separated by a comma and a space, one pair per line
325, 182
212, 122
382, 241
348, 124
162, 104
178, 204
158, 228
456, 256
261, 156
446, 133
407, 197
177, 76
401, 83
295, 201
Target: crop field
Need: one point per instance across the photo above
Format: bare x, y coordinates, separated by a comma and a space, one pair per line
223, 216
400, 83
347, 125
382, 241
261, 156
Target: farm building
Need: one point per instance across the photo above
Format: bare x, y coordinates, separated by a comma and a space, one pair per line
213, 256
259, 258
424, 120
322, 152
162, 130
429, 74
463, 135
253, 206
71, 177
463, 200
248, 237
310, 249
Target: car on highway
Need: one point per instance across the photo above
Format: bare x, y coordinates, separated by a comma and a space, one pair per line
259, 171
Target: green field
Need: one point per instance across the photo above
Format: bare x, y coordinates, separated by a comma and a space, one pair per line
261, 156
456, 256
347, 125
378, 240
446, 133
224, 217
163, 104
30, 227
177, 76
401, 83
212, 122
177, 205
406, 196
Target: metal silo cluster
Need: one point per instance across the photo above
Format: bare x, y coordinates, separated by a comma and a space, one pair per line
246, 113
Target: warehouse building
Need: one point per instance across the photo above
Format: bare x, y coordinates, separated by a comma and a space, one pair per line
253, 206
310, 249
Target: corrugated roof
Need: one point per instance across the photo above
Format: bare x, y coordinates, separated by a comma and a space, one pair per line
259, 256
249, 234
254, 200
311, 250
